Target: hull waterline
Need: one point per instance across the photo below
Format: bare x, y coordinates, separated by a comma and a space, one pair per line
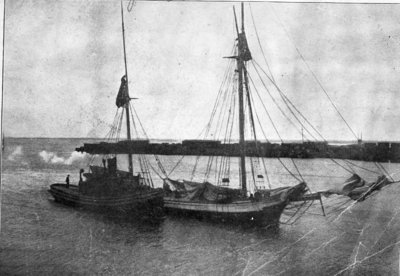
243, 212
263, 212
144, 202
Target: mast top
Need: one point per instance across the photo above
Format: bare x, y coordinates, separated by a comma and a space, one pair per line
123, 97
244, 51
124, 87
242, 17
123, 38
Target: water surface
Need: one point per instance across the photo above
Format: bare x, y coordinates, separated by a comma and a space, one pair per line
41, 237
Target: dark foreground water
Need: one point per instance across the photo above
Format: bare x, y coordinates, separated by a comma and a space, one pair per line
40, 237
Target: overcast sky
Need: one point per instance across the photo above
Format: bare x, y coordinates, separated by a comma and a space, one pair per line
64, 62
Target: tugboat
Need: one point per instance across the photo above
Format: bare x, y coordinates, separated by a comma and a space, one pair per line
107, 187
249, 200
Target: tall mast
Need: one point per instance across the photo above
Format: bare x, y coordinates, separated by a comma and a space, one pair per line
242, 17
2, 77
243, 56
242, 143
128, 124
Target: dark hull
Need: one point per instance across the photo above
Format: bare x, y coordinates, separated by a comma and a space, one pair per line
263, 212
150, 201
268, 216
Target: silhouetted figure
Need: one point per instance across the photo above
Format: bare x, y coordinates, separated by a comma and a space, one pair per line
166, 188
80, 175
104, 164
67, 181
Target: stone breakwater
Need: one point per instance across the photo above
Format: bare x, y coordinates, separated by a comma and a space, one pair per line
365, 151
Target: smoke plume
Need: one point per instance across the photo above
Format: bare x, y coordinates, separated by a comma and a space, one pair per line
53, 158
15, 154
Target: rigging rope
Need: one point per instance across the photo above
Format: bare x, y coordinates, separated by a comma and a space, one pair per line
252, 121
379, 168
249, 101
387, 173
291, 111
225, 109
259, 42
266, 110
355, 165
297, 169
314, 76
227, 73
298, 217
208, 168
351, 170
280, 137
276, 130
287, 100
195, 167
155, 171
176, 165
118, 134
227, 138
159, 164
113, 126
225, 95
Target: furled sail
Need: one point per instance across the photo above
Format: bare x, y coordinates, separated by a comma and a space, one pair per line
244, 48
358, 189
123, 94
203, 192
345, 188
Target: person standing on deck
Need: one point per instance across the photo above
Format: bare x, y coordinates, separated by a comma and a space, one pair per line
81, 171
67, 181
104, 165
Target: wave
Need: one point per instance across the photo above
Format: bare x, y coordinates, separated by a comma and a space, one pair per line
53, 158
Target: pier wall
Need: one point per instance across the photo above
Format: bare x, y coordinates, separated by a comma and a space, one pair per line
368, 151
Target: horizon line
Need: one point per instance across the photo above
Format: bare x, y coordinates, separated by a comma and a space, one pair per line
182, 139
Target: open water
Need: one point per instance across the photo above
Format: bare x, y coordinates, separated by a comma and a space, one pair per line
40, 237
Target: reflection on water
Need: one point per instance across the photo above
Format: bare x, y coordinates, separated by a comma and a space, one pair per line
41, 237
